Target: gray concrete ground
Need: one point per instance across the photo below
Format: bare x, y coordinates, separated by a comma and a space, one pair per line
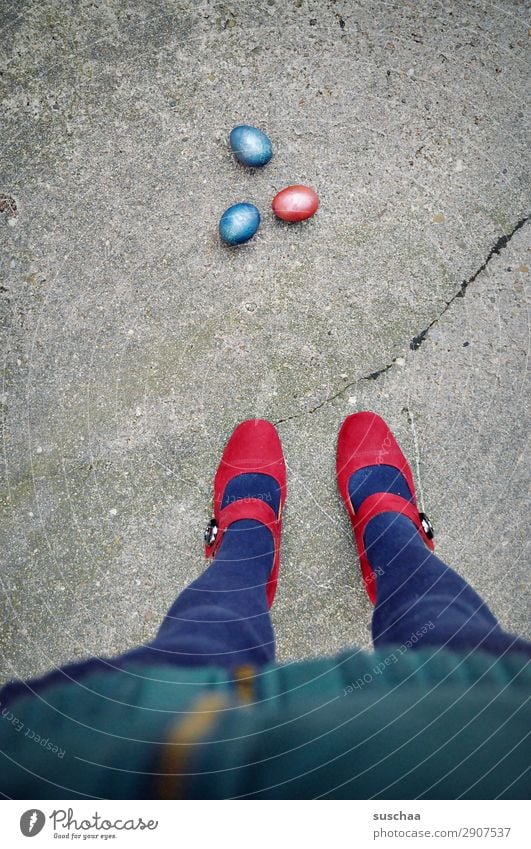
134, 341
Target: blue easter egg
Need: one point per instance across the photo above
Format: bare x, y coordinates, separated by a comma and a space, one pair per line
239, 223
250, 146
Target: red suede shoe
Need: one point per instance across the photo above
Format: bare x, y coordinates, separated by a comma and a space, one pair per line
366, 440
254, 447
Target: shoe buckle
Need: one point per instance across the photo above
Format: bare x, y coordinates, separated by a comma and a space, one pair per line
211, 532
427, 526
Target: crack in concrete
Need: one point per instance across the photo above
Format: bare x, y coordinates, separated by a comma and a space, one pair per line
498, 246
417, 340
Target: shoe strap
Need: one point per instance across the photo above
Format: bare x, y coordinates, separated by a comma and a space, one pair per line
242, 508
388, 502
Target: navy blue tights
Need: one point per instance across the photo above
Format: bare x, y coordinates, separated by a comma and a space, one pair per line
418, 592
415, 590
222, 617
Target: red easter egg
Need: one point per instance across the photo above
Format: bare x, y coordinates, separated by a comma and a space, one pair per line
295, 203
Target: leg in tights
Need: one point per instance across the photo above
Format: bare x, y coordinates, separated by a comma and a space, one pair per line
222, 618
415, 588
